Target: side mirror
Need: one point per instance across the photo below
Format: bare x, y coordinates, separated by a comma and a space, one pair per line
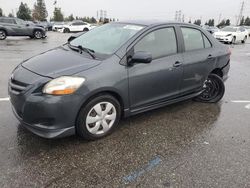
141, 57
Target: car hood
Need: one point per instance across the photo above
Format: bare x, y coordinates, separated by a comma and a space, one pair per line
59, 62
223, 33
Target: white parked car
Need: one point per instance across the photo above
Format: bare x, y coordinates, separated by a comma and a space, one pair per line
76, 26
247, 28
57, 25
230, 34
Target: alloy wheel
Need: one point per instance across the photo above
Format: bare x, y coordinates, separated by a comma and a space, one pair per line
38, 34
101, 118
2, 35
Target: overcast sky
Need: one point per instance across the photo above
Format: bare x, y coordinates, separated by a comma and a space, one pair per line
141, 9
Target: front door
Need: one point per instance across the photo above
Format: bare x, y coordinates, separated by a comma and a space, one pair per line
159, 80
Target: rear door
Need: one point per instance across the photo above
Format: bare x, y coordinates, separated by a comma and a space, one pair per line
159, 80
198, 59
78, 26
21, 28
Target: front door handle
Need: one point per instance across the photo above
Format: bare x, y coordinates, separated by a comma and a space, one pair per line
177, 64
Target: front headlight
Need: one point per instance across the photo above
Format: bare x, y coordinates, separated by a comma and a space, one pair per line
228, 35
64, 85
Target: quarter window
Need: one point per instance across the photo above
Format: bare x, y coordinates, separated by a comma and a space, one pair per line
159, 43
207, 43
192, 39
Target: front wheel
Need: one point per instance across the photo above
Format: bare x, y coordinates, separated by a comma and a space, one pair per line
3, 35
66, 30
244, 40
38, 34
98, 118
214, 90
85, 29
233, 40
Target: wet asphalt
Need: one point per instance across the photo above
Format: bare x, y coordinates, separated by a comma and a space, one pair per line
188, 144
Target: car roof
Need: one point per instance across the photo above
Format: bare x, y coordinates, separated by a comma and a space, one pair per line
154, 22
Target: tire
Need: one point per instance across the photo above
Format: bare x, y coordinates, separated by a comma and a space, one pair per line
66, 30
214, 90
85, 29
244, 41
38, 34
94, 124
3, 34
233, 40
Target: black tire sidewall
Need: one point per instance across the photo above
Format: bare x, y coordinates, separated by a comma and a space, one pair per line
66, 30
35, 34
221, 93
5, 34
81, 128
244, 40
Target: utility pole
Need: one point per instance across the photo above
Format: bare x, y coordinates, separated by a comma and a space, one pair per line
219, 19
241, 12
176, 15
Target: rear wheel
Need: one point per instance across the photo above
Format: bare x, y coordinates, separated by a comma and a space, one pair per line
233, 40
3, 34
244, 40
98, 118
214, 90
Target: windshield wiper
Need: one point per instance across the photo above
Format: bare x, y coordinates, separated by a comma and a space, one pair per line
83, 49
89, 51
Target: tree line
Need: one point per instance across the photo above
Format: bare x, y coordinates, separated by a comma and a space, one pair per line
223, 23
40, 13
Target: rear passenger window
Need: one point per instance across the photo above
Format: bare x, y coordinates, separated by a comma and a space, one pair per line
159, 43
207, 43
192, 38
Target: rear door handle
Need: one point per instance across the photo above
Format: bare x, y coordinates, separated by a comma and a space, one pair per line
177, 64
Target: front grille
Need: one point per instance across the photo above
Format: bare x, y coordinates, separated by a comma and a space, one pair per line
17, 87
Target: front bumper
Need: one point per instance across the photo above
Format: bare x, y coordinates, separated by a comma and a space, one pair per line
45, 131
224, 39
45, 115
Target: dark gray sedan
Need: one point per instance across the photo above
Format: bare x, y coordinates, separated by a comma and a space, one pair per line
117, 70
18, 27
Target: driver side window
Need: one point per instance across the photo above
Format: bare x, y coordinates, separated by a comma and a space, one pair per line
159, 43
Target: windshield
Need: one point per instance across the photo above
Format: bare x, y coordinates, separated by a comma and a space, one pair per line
229, 29
108, 38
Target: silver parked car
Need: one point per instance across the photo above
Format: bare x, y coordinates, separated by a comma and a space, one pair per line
18, 27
